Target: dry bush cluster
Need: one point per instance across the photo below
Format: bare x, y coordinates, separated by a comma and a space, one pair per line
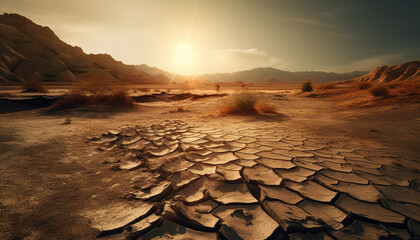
33, 86
246, 103
95, 92
217, 87
307, 86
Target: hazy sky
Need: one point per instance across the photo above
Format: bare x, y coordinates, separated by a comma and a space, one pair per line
232, 35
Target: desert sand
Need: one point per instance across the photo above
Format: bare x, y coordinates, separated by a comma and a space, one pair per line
311, 171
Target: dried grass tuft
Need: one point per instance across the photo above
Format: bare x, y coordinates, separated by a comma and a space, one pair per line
97, 93
246, 103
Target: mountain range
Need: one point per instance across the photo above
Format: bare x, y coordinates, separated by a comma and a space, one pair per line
273, 75
259, 75
32, 52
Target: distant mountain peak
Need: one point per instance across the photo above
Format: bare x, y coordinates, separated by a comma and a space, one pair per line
32, 52
270, 74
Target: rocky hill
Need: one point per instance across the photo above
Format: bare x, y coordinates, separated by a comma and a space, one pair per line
262, 75
409, 71
32, 52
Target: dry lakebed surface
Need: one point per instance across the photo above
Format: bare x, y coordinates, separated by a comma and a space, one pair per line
311, 171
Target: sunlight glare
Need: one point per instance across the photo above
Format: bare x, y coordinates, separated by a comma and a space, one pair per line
183, 54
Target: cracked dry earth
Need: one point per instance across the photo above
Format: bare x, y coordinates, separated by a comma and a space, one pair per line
208, 181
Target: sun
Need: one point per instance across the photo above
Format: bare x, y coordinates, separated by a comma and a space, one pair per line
183, 54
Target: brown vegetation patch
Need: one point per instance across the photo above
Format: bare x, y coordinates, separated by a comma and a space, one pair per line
265, 107
96, 93
217, 87
246, 103
307, 86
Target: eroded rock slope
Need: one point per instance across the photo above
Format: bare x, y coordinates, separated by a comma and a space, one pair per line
32, 52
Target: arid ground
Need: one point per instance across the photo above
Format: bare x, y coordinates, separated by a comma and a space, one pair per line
173, 170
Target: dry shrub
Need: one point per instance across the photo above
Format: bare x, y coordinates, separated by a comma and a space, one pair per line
33, 86
362, 85
93, 92
307, 86
379, 90
246, 103
326, 86
265, 107
217, 87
